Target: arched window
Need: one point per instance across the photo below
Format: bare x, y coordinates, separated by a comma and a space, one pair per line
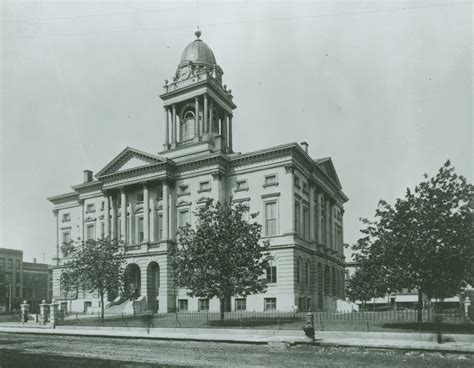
299, 271
327, 280
187, 126
333, 281
307, 277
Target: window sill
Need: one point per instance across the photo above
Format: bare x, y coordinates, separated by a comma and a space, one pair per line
204, 190
184, 194
241, 189
270, 185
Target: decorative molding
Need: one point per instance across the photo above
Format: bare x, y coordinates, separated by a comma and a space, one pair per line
290, 168
203, 199
182, 203
239, 200
269, 195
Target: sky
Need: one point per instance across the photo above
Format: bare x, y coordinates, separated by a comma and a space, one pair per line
384, 88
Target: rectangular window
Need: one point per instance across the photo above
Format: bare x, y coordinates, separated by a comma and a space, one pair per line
270, 304
270, 218
66, 237
183, 189
66, 217
90, 232
182, 305
297, 217
305, 188
306, 222
204, 186
241, 185
301, 304
17, 291
203, 305
10, 264
17, 264
102, 230
297, 182
140, 197
240, 304
90, 207
102, 205
160, 226
183, 217
308, 304
270, 180
17, 277
271, 274
2, 262
140, 232
315, 217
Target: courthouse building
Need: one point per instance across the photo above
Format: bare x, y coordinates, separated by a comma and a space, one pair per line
142, 198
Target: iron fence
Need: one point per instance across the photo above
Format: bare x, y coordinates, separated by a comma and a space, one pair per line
396, 320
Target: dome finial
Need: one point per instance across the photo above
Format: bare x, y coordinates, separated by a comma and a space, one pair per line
198, 33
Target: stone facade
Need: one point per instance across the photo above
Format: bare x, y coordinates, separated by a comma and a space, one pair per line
142, 198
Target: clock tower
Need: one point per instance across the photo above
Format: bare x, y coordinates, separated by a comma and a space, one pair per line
198, 107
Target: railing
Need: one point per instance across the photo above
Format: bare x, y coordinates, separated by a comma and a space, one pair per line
400, 320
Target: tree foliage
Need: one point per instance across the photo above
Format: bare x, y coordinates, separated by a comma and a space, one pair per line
425, 240
95, 267
222, 256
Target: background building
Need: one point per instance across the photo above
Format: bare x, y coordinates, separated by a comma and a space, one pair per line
22, 280
142, 198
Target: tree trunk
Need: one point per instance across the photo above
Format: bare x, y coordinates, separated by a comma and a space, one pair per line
420, 306
102, 305
222, 301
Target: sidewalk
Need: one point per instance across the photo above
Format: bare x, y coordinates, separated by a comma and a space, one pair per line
406, 341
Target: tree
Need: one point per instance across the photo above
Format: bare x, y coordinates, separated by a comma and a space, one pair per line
222, 256
94, 266
425, 240
365, 284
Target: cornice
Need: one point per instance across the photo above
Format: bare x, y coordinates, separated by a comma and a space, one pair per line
63, 198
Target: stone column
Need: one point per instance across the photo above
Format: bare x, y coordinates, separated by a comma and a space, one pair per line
172, 212
211, 115
173, 125
44, 311
312, 229
206, 125
25, 310
107, 216
328, 224
230, 133
146, 214
165, 210
53, 313
131, 233
196, 118
167, 127
224, 131
221, 193
114, 218
123, 215
152, 221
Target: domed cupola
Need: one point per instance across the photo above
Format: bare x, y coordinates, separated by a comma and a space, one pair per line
197, 58
198, 106
198, 52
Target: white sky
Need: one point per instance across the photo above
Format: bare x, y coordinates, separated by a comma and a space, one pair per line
384, 88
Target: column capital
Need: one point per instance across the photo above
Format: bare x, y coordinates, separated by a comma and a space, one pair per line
218, 175
290, 168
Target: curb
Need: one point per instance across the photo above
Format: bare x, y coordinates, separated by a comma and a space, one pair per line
264, 340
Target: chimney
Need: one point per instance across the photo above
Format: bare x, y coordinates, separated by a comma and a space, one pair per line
304, 145
34, 260
87, 176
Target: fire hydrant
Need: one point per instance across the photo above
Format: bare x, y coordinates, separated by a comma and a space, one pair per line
308, 328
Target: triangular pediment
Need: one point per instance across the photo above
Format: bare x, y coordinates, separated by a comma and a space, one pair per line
128, 159
327, 166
